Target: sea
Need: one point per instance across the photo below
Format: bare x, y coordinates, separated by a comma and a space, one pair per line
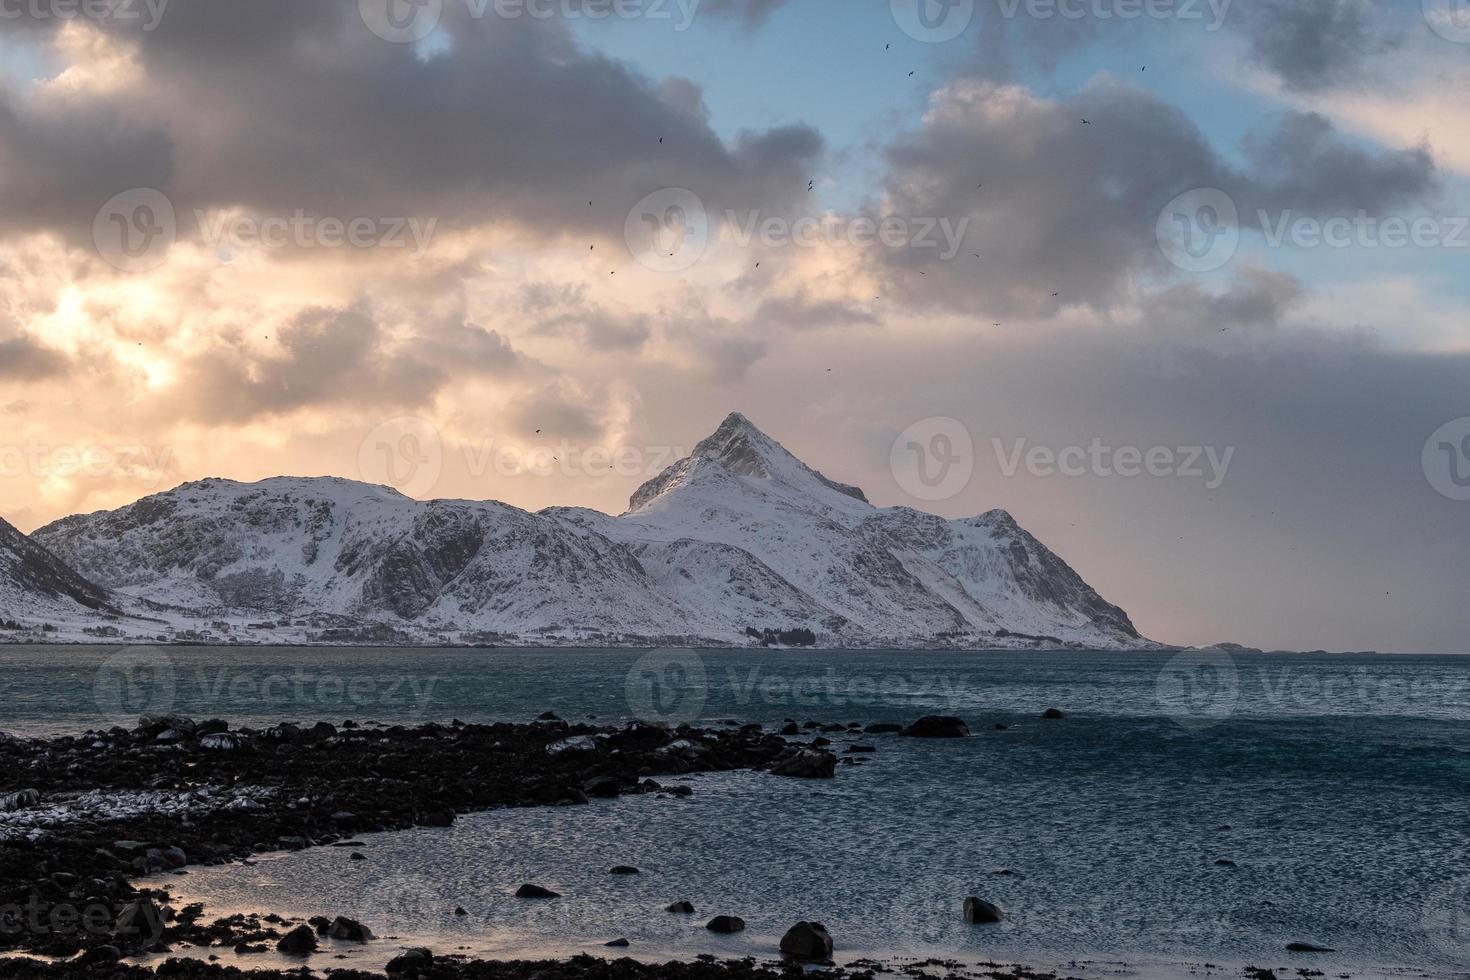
1337, 788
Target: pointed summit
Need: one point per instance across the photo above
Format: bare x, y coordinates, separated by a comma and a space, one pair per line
739, 449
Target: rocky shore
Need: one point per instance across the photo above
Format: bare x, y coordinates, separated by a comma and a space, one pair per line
83, 817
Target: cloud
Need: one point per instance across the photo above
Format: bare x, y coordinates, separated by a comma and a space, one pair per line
1305, 164
1314, 44
563, 310
1056, 205
802, 311
1257, 298
301, 107
323, 356
23, 359
752, 13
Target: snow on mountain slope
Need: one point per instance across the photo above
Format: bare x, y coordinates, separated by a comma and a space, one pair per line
739, 534
37, 586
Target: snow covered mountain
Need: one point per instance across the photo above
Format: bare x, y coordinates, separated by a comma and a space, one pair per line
740, 534
34, 582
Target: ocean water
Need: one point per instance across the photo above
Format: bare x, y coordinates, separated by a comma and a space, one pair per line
1337, 785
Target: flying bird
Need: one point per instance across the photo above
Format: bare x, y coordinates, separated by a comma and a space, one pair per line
1087, 122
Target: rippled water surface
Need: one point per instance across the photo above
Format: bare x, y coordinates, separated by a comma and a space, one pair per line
1338, 785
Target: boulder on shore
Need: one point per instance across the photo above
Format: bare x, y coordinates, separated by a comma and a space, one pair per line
807, 941
623, 869
725, 924
937, 726
807, 764
535, 891
1308, 948
349, 930
300, 941
412, 961
683, 908
979, 911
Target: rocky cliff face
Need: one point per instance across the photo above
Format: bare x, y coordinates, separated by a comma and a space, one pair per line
741, 533
35, 584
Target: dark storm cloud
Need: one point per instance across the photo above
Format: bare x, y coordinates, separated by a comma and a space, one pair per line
22, 359
1311, 44
337, 356
279, 106
1255, 298
1307, 44
1306, 165
1059, 205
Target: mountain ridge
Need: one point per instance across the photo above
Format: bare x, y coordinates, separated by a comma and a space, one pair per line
739, 535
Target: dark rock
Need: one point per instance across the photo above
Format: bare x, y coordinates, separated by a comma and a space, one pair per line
410, 961
1308, 948
603, 787
357, 856
547, 716
683, 908
19, 800
99, 954
937, 726
617, 943
139, 920
977, 910
1224, 863
300, 941
622, 869
807, 764
349, 930
439, 818
807, 941
1052, 714
725, 924
535, 891
459, 910
790, 728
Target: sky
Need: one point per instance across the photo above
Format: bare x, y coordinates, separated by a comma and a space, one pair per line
1181, 284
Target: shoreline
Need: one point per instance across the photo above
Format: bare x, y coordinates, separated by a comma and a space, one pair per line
118, 811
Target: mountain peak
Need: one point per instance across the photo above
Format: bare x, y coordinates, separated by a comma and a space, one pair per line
740, 449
